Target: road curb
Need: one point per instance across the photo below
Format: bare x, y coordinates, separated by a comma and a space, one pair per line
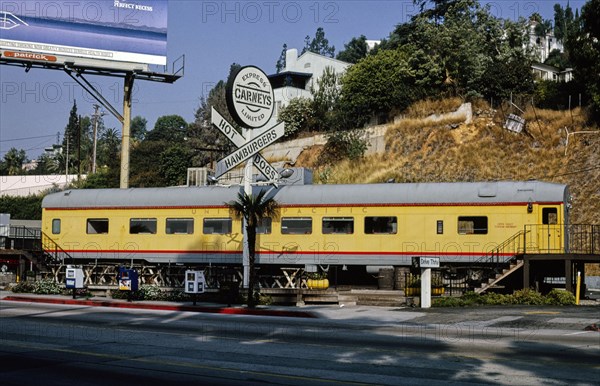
162, 307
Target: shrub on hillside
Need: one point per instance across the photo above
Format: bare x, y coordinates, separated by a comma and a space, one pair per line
343, 145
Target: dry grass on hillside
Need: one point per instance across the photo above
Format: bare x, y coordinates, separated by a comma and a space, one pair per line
428, 107
422, 151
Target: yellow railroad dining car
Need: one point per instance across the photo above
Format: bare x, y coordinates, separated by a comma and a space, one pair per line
352, 225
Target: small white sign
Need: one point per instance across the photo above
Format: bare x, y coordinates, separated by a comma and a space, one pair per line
429, 262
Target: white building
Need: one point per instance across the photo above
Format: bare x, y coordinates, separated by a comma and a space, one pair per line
300, 75
543, 45
26, 185
545, 72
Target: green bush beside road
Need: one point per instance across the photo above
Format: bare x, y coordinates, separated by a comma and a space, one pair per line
556, 297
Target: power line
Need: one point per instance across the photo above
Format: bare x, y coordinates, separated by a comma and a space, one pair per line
26, 138
574, 172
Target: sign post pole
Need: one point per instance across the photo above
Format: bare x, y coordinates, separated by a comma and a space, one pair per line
247, 180
250, 101
425, 287
426, 263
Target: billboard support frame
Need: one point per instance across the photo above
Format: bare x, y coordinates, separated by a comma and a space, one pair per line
87, 86
127, 75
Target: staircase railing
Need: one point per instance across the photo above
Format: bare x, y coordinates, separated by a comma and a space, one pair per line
508, 248
23, 238
53, 251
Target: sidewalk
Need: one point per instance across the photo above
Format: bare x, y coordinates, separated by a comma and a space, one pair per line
154, 305
571, 318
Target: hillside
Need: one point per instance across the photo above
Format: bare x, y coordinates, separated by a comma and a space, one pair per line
417, 150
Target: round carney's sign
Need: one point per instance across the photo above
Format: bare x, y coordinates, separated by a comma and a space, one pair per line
250, 98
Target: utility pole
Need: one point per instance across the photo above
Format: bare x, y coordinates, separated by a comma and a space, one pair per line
79, 150
97, 116
67, 162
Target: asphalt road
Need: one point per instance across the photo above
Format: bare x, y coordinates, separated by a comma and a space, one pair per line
49, 344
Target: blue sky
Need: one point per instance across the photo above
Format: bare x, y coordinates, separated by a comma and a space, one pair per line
212, 35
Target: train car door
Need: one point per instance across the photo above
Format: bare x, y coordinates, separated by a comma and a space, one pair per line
550, 230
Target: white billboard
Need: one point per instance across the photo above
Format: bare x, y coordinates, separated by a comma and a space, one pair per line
85, 32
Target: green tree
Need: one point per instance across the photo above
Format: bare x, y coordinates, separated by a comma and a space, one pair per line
253, 209
108, 149
13, 162
298, 116
173, 165
145, 164
22, 208
376, 85
108, 161
171, 128
564, 21
457, 53
319, 44
558, 59
325, 100
354, 50
45, 164
71, 136
439, 8
280, 65
542, 29
206, 142
560, 23
138, 128
584, 53
505, 77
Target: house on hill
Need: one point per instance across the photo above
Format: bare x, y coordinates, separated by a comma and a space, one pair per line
300, 75
543, 71
542, 45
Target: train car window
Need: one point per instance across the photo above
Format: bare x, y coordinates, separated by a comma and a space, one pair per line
381, 225
56, 226
549, 216
338, 225
142, 226
97, 226
473, 225
296, 225
217, 226
264, 226
440, 227
179, 226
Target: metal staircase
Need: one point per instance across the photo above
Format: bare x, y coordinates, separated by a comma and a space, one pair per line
35, 246
492, 282
504, 260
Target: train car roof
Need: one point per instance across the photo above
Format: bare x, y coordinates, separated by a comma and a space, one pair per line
476, 193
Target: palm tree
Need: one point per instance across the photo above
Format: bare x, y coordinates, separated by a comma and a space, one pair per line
542, 29
253, 209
